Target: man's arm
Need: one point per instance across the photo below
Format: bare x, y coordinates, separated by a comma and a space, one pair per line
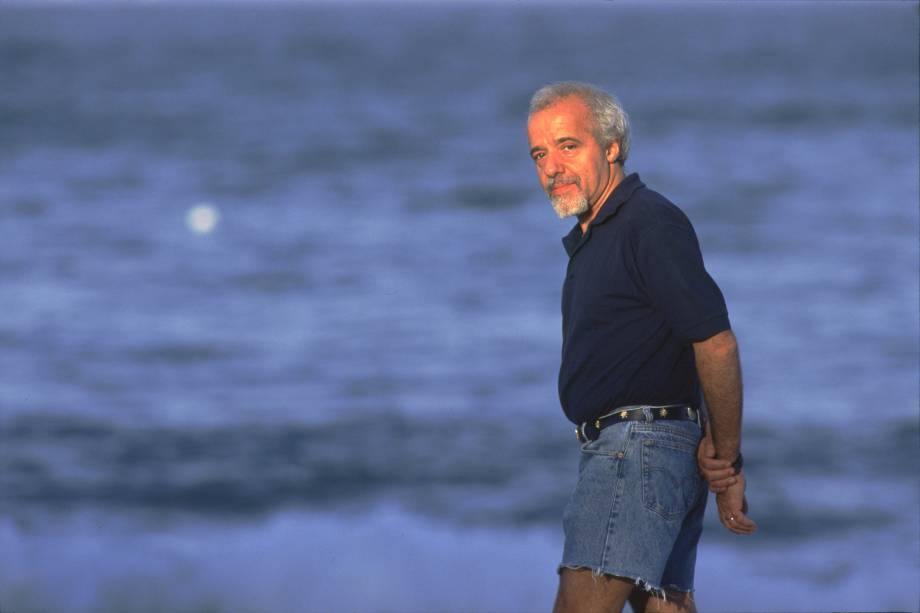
719, 370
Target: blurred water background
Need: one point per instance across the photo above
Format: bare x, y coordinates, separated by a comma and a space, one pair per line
339, 393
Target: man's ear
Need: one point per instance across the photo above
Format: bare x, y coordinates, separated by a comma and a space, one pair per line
613, 152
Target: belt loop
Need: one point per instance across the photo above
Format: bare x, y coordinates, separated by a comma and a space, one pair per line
647, 413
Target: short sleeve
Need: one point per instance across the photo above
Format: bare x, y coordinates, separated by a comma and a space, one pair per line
671, 269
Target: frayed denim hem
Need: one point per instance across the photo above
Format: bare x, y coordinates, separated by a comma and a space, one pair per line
677, 588
641, 583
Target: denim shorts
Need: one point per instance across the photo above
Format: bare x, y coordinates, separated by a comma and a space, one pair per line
637, 509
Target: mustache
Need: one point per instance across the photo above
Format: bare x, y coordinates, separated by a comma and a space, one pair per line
556, 181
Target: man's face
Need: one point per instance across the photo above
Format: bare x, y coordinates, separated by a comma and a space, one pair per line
572, 166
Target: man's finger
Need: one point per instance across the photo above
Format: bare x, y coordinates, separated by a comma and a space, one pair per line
719, 486
739, 523
720, 477
717, 473
742, 519
730, 525
721, 483
714, 464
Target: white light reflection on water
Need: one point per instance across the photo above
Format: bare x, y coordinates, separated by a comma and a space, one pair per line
202, 218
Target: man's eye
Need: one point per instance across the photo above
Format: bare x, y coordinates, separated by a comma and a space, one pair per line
538, 156
569, 147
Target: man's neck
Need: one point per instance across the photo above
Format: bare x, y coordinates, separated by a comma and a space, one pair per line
616, 177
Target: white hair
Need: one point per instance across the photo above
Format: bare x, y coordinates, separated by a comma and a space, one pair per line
611, 123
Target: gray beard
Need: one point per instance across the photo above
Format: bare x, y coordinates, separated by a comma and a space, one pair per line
569, 205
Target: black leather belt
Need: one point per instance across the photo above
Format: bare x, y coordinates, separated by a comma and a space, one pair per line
589, 431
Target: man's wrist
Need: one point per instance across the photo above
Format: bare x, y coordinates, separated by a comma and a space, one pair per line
738, 463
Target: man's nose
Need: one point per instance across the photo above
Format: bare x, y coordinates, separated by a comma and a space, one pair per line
551, 166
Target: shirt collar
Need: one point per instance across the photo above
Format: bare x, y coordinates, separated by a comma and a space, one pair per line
617, 198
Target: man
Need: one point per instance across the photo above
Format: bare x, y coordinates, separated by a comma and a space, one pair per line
644, 329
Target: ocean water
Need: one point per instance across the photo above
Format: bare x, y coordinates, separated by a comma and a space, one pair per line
341, 397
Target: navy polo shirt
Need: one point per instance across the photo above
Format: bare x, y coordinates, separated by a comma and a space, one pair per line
636, 297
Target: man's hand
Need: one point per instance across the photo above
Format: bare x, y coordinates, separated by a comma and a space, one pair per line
733, 508
719, 473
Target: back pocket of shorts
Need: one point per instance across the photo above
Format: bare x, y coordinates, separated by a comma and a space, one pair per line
670, 480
